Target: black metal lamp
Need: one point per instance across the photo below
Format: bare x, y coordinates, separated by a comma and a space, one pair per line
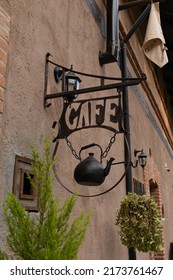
142, 158
72, 84
72, 81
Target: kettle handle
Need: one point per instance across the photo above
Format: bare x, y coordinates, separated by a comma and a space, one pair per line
89, 146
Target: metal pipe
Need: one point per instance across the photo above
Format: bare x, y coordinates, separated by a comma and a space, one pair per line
132, 252
112, 27
124, 72
137, 24
112, 36
128, 178
87, 74
94, 89
137, 3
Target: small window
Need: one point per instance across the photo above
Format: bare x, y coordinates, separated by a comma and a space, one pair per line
23, 189
138, 187
27, 191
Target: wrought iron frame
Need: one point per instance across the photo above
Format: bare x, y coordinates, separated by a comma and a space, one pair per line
122, 82
63, 133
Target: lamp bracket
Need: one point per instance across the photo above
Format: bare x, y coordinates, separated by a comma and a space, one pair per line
141, 156
137, 151
134, 165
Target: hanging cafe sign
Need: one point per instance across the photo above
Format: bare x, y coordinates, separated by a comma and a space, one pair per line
90, 113
102, 112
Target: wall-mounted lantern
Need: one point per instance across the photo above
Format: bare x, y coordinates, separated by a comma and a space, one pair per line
142, 158
72, 84
72, 80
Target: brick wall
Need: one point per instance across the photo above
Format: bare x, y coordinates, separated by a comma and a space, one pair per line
152, 181
4, 44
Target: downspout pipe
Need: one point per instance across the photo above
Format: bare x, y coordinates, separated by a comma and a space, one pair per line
124, 73
112, 35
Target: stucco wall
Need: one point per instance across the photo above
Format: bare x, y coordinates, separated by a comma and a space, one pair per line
38, 28
68, 31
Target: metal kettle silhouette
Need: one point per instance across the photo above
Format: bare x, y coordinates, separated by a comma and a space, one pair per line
90, 171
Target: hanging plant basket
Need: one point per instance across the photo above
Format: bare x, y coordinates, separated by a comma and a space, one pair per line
140, 224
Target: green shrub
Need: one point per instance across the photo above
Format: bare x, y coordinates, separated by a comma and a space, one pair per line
50, 234
140, 224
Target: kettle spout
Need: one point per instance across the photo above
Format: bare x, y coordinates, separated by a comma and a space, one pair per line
108, 166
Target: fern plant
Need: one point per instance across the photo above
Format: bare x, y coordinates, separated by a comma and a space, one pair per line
50, 234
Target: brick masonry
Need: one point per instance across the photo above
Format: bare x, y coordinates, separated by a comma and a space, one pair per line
152, 181
4, 46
